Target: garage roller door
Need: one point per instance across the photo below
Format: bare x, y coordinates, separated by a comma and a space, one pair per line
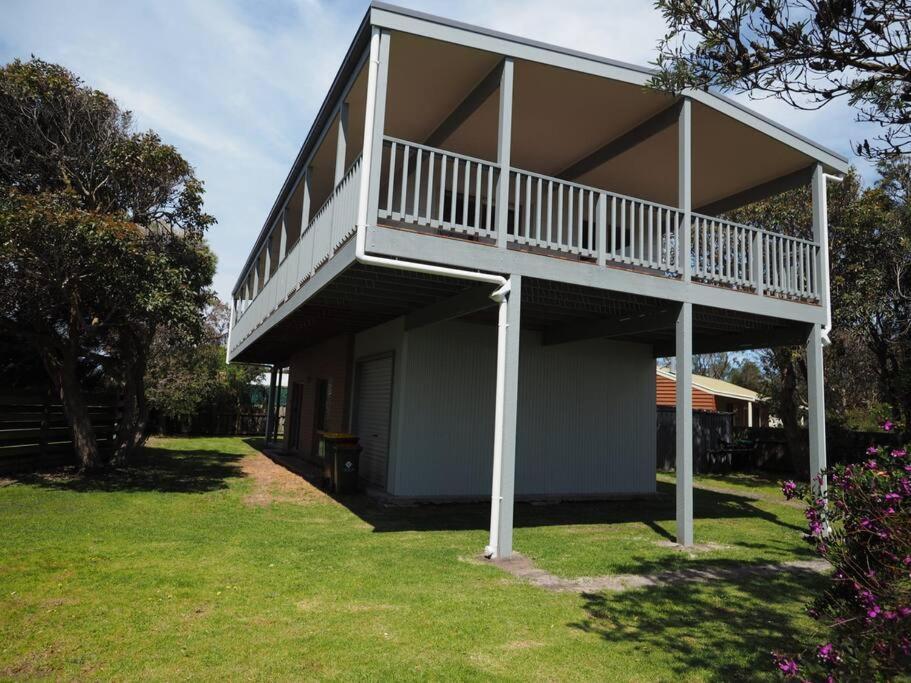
372, 416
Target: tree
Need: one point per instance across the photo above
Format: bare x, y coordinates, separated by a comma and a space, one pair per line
717, 365
184, 376
747, 374
101, 240
870, 251
805, 52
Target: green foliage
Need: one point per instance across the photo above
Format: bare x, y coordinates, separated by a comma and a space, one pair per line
861, 524
101, 232
869, 362
805, 52
184, 378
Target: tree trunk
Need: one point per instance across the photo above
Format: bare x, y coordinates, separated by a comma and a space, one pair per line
789, 406
133, 421
64, 374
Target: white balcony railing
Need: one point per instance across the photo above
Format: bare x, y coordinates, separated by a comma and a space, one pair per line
427, 187
331, 226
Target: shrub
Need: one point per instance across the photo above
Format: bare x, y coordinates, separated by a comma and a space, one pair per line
862, 525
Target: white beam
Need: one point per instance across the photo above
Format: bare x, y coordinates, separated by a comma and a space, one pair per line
685, 425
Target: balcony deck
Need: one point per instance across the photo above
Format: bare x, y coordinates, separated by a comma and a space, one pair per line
436, 192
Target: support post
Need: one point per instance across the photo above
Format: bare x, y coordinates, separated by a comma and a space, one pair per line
269, 402
277, 402
379, 129
816, 408
685, 185
341, 143
684, 464
756, 263
283, 236
820, 235
504, 459
504, 145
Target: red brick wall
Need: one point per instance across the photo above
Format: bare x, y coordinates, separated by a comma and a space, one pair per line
330, 360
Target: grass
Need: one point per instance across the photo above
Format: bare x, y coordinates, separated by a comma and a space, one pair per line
185, 566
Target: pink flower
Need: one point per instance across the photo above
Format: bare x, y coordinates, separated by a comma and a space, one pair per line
899, 452
826, 652
873, 612
872, 450
788, 667
789, 489
871, 464
888, 425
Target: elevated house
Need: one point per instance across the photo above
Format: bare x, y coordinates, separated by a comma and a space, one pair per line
484, 243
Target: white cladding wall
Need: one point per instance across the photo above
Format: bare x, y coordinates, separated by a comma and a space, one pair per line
586, 415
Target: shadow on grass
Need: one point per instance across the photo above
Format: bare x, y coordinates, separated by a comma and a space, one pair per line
476, 516
151, 469
724, 629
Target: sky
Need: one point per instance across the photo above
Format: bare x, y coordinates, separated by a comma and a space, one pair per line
235, 85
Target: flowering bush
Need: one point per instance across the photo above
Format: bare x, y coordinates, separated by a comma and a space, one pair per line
862, 526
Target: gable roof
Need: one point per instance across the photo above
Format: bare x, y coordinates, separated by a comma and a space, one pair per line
716, 387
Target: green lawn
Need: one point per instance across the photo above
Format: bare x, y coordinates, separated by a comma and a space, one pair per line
188, 566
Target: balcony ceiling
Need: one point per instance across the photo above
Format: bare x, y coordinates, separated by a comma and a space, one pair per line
561, 116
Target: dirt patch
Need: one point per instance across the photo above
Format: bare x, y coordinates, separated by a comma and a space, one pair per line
694, 549
273, 483
523, 568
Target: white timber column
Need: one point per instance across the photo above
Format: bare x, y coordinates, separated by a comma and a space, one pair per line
685, 184
341, 143
504, 460
379, 129
269, 403
504, 146
816, 408
816, 400
684, 461
283, 236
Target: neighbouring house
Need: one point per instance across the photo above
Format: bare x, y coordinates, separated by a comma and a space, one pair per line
717, 396
485, 242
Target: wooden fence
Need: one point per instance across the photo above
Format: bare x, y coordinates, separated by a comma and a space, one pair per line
711, 431
34, 431
218, 424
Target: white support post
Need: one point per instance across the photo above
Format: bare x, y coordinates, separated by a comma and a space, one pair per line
267, 259
270, 400
685, 185
504, 459
820, 236
504, 146
816, 405
341, 143
684, 417
379, 129
283, 239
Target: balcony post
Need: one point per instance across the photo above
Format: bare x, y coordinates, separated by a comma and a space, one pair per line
602, 229
341, 143
756, 264
685, 186
379, 129
504, 146
270, 400
283, 236
684, 417
820, 234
